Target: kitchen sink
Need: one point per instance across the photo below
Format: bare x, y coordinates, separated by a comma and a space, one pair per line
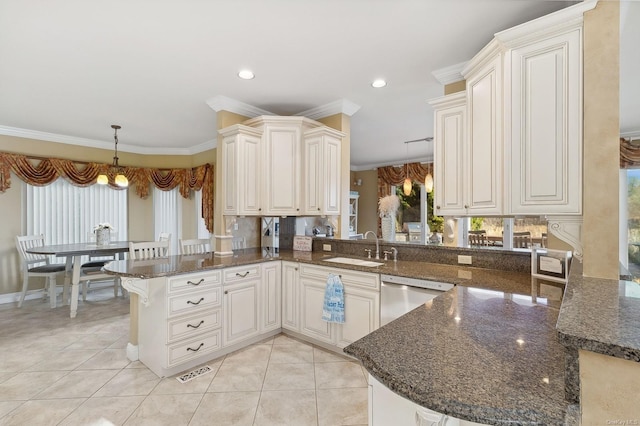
353, 261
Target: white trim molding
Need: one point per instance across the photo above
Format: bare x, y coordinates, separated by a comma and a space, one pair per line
341, 106
450, 74
224, 103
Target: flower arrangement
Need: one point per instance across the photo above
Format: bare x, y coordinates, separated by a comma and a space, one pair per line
101, 226
388, 206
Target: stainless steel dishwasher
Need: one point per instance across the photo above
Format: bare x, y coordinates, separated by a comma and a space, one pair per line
399, 295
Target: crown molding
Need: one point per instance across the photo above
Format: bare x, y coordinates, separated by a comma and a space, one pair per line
447, 101
93, 143
224, 103
450, 74
341, 106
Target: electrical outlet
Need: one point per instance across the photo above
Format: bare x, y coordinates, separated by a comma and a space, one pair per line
326, 247
464, 260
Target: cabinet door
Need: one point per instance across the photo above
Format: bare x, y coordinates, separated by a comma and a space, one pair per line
241, 170
290, 296
545, 163
311, 302
331, 181
483, 154
270, 297
313, 175
361, 315
449, 143
282, 175
240, 311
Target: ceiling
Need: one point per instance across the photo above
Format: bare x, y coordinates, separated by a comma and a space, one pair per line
68, 72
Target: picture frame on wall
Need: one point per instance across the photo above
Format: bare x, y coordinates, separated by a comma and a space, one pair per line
550, 264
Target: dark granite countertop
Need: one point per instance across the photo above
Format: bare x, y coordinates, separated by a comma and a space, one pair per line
513, 282
601, 316
475, 354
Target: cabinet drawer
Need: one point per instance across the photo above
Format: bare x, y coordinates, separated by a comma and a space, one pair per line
194, 281
348, 277
193, 325
195, 301
241, 272
194, 348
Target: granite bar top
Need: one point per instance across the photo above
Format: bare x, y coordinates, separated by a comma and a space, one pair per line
602, 316
513, 282
475, 354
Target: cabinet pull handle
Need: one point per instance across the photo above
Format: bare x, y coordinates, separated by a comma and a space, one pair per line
196, 303
238, 274
196, 326
196, 349
198, 283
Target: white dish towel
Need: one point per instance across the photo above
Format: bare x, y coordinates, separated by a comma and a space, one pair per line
333, 307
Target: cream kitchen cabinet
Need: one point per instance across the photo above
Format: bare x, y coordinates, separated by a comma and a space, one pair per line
362, 305
270, 302
544, 109
449, 145
321, 177
483, 148
241, 286
241, 168
290, 296
180, 323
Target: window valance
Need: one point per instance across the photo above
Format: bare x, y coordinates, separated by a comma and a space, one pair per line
392, 175
43, 171
629, 154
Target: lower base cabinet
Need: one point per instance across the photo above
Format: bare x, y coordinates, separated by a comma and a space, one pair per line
388, 408
361, 305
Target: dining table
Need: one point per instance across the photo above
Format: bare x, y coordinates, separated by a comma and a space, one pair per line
73, 253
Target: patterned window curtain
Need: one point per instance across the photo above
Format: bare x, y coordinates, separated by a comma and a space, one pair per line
629, 154
43, 171
389, 176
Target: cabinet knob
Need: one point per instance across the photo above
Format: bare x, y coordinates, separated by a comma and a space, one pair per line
438, 207
318, 208
226, 292
466, 206
297, 210
259, 209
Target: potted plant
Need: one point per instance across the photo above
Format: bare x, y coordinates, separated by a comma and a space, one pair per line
387, 208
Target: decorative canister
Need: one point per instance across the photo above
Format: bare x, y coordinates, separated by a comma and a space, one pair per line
103, 236
387, 225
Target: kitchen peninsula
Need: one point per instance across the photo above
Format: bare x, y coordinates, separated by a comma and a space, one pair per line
495, 308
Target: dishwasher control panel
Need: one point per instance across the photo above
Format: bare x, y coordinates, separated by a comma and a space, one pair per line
415, 282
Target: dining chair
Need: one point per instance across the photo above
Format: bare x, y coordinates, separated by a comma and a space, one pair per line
91, 271
544, 240
165, 236
522, 239
38, 265
195, 246
478, 238
148, 250
238, 243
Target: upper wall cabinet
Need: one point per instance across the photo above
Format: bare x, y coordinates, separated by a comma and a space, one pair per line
268, 170
322, 163
544, 109
241, 170
450, 175
483, 153
522, 151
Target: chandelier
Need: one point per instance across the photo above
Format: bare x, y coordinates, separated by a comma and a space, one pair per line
120, 179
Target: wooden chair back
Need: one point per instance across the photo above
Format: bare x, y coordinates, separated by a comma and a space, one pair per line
522, 239
148, 250
195, 246
478, 238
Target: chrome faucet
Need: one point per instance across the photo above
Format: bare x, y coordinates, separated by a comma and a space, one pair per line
377, 243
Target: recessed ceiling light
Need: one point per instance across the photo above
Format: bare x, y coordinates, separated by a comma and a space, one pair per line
379, 83
246, 74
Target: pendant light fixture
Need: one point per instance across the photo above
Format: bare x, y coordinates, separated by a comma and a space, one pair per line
428, 179
120, 179
407, 186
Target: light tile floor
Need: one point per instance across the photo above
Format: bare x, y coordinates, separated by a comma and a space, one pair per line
60, 371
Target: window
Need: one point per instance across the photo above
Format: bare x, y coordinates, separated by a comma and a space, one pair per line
631, 208
202, 231
65, 213
416, 209
518, 233
167, 215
